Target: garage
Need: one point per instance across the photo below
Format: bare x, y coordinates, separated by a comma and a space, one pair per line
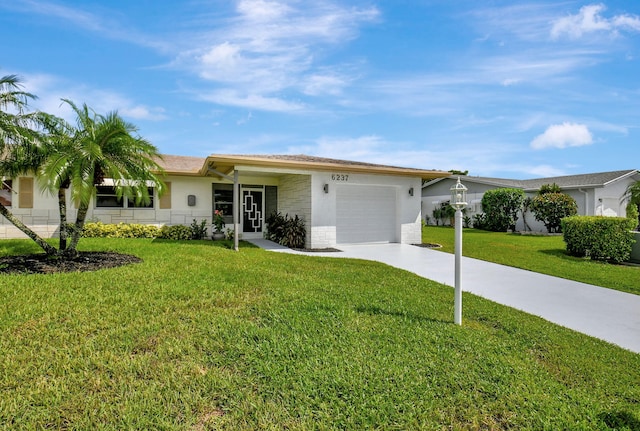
365, 213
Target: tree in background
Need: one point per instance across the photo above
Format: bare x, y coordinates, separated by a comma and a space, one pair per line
501, 207
633, 196
456, 172
550, 206
526, 206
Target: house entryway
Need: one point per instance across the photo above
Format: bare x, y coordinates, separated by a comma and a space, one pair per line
252, 200
256, 203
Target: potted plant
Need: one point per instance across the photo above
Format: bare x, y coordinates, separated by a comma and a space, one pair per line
218, 224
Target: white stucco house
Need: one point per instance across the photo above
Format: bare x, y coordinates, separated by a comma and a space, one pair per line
340, 201
596, 194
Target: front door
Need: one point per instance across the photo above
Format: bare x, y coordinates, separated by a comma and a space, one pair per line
252, 212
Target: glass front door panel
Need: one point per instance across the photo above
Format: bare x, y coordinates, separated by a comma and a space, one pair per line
252, 211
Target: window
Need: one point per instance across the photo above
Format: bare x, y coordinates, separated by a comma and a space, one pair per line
5, 193
106, 198
223, 201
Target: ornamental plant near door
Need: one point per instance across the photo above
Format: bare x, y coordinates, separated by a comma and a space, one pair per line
285, 230
218, 220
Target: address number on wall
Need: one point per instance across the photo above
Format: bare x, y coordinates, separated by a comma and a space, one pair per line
340, 177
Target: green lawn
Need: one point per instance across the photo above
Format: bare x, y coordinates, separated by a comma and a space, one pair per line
544, 254
201, 337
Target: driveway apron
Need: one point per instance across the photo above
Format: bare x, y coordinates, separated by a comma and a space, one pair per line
603, 313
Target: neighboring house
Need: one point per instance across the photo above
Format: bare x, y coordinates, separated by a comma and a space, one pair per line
340, 201
596, 194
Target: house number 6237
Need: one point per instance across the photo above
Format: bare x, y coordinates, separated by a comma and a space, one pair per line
340, 177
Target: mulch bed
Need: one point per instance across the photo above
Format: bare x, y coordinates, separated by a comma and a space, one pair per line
428, 245
43, 264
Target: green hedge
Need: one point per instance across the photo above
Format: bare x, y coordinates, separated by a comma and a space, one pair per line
599, 238
177, 232
120, 230
133, 230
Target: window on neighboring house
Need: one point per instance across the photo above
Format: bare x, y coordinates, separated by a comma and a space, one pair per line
106, 198
5, 193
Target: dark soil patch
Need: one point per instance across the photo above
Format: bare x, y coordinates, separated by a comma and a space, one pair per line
43, 264
428, 245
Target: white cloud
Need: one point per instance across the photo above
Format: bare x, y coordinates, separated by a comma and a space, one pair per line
101, 23
142, 112
562, 136
590, 20
323, 83
274, 47
360, 148
261, 10
523, 22
232, 97
630, 22
51, 90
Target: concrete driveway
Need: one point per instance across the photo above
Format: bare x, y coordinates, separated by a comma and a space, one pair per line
603, 313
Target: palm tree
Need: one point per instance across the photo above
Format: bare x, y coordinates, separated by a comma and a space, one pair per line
98, 147
633, 193
17, 135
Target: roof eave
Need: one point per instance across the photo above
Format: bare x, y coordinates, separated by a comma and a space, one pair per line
220, 161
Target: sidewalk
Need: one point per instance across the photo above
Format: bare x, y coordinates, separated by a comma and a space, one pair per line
603, 313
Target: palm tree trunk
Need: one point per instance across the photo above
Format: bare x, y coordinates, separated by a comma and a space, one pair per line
49, 249
77, 230
62, 206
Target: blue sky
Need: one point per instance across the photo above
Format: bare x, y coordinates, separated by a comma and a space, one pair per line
504, 89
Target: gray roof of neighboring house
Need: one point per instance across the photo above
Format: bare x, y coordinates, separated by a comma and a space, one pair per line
599, 179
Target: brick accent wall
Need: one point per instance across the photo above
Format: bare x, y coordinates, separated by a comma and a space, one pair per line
294, 198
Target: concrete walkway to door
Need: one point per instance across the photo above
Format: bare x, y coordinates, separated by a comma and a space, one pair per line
607, 314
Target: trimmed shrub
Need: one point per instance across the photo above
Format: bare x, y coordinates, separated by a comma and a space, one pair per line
599, 238
480, 221
175, 232
501, 207
198, 230
120, 230
550, 206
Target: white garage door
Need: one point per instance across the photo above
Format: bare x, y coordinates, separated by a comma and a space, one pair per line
365, 214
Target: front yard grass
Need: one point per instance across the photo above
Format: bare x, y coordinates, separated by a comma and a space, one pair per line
543, 254
200, 337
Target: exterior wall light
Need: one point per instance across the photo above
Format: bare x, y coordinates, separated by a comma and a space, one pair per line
411, 191
326, 188
459, 202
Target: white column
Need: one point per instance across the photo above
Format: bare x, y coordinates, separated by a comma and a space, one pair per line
457, 302
236, 211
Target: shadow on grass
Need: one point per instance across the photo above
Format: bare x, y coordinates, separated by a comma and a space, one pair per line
559, 253
620, 420
377, 311
19, 247
221, 244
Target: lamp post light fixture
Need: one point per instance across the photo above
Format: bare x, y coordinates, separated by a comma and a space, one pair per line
459, 202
